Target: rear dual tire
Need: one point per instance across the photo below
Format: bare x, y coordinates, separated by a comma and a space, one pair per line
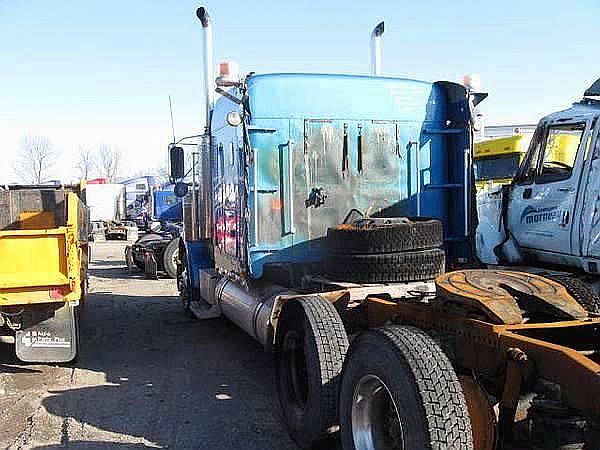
400, 392
311, 345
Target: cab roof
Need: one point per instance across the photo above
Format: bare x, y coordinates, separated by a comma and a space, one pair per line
337, 96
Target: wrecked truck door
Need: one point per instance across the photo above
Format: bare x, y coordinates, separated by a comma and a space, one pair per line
543, 197
588, 208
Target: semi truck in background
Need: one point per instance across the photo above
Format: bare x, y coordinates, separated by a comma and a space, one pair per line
138, 198
43, 270
323, 212
158, 249
108, 219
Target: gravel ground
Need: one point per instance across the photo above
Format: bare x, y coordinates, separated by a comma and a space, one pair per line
147, 377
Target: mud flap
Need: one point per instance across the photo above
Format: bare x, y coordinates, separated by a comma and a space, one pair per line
150, 265
129, 259
48, 334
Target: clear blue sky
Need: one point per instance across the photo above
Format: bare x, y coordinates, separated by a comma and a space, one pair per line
87, 72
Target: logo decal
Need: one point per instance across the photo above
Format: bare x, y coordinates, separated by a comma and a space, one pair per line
43, 339
531, 215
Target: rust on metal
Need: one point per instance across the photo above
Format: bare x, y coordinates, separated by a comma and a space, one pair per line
512, 390
481, 412
566, 352
497, 293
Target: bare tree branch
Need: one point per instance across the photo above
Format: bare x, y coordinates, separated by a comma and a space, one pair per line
35, 159
85, 164
108, 162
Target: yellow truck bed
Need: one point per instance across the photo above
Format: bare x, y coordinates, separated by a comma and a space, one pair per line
43, 267
47, 264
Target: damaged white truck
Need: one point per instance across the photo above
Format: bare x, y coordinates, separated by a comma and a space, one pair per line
549, 216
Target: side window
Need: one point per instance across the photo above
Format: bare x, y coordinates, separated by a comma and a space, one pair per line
560, 151
528, 171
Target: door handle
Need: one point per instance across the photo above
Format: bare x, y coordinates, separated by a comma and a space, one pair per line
564, 221
527, 193
568, 190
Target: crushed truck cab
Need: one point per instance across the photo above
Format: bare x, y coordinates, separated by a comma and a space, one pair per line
549, 213
43, 276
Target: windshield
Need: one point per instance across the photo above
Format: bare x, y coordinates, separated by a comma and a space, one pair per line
492, 168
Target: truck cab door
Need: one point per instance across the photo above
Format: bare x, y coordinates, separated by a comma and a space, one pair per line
588, 207
543, 196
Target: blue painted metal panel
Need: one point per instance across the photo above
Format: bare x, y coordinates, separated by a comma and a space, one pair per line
379, 145
198, 254
356, 97
167, 207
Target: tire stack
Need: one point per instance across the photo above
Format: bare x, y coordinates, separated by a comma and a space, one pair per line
385, 250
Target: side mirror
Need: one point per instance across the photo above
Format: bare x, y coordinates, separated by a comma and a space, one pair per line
177, 161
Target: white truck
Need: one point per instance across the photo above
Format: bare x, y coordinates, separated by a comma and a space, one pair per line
106, 203
548, 218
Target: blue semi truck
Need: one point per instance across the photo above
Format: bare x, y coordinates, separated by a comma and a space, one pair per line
160, 212
323, 212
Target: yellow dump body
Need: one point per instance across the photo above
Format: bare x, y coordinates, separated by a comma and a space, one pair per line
496, 160
43, 246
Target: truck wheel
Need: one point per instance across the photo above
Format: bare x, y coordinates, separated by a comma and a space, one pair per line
379, 235
387, 267
399, 391
311, 345
584, 295
170, 256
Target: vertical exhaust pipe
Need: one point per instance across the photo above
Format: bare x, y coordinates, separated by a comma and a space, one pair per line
202, 205
376, 49
209, 71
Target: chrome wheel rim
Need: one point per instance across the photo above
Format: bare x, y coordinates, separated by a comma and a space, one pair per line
375, 420
175, 258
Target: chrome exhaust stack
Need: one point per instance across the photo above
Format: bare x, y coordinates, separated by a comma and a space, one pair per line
376, 49
203, 204
209, 71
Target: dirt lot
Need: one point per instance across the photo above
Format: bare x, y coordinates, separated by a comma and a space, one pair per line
147, 377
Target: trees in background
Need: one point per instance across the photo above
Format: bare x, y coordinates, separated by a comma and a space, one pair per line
35, 159
105, 162
85, 163
108, 162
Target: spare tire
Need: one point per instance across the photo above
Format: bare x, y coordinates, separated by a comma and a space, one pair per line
385, 235
387, 267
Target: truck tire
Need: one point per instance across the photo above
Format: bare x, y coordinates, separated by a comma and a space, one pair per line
368, 236
399, 391
148, 237
387, 267
583, 294
311, 344
170, 256
145, 238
